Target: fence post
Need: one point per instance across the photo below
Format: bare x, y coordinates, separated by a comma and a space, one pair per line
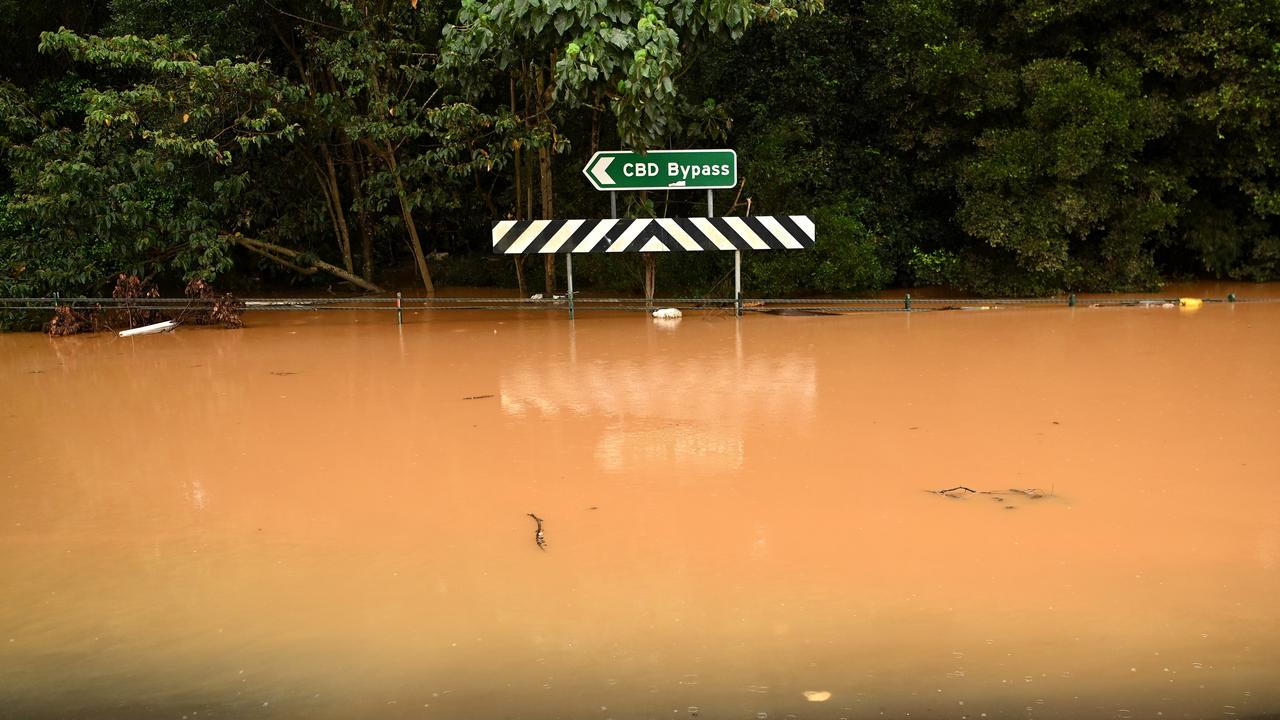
399, 310
906, 303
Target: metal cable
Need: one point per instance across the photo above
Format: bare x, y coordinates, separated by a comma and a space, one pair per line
414, 304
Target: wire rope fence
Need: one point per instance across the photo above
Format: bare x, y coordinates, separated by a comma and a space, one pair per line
400, 304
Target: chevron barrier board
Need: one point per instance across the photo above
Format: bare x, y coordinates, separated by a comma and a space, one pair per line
562, 237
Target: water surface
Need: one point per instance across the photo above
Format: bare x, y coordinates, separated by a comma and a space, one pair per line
325, 515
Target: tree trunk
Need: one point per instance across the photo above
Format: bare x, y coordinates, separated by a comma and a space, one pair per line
545, 183
548, 213
520, 281
339, 215
516, 196
528, 188
650, 260
595, 127
406, 214
272, 251
355, 175
650, 274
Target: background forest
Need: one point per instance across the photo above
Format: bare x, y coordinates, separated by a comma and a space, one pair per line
995, 146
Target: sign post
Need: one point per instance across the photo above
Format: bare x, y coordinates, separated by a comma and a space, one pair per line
620, 170
614, 170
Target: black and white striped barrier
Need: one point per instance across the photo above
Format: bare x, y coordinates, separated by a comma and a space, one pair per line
562, 237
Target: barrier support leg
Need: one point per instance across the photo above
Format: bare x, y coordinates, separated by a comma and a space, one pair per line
568, 271
737, 283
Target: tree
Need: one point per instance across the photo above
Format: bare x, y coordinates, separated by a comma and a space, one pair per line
1077, 142
623, 56
175, 154
154, 172
374, 84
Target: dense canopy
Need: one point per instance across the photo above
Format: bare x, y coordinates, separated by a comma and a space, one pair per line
996, 146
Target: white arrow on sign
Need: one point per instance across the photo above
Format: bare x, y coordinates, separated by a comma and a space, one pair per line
598, 171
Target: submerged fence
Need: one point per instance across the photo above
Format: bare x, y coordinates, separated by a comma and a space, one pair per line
400, 304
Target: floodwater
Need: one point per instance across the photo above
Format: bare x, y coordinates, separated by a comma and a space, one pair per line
326, 516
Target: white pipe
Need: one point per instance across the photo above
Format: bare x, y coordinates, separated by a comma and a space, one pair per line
159, 327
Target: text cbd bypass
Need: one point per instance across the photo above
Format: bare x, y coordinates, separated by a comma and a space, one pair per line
684, 172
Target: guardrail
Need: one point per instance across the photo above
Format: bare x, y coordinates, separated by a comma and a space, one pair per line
399, 303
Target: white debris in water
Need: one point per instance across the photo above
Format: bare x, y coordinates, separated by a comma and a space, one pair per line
536, 296
668, 314
817, 695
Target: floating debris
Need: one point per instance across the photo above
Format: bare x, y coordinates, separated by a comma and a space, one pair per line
477, 397
817, 695
962, 491
159, 327
538, 536
68, 321
218, 308
668, 314
1033, 493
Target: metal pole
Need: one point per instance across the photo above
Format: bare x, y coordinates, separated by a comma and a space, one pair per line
737, 261
399, 310
613, 204
737, 283
568, 271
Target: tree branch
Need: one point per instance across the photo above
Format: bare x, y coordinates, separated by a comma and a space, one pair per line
267, 248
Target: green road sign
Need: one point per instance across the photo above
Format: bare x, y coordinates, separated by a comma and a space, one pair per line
663, 170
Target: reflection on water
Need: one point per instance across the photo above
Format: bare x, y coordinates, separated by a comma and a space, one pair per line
326, 516
660, 410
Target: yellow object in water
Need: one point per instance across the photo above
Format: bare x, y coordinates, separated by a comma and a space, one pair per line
1190, 302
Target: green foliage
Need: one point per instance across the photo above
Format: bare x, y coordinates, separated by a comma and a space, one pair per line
1079, 142
937, 267
846, 260
998, 146
153, 175
628, 53
375, 69
1070, 174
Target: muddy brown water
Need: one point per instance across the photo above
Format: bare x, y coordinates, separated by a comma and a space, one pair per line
309, 518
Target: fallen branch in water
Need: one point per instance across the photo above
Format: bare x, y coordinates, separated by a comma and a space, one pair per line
279, 253
951, 490
1031, 493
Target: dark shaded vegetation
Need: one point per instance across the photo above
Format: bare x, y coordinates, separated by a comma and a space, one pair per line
996, 146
